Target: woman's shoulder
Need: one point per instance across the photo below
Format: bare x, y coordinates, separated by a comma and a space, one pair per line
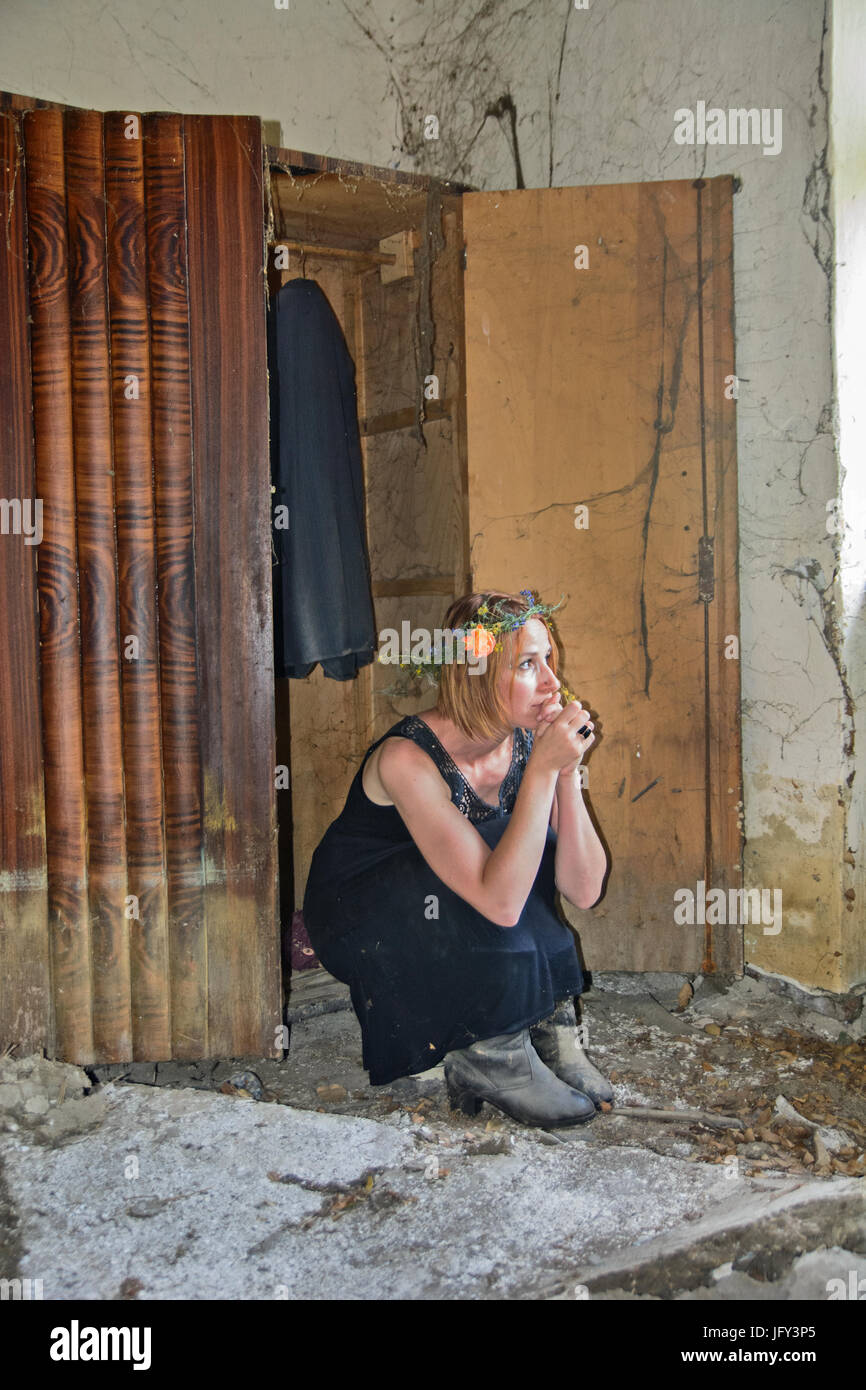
404, 745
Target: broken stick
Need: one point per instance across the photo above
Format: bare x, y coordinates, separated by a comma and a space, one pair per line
702, 1117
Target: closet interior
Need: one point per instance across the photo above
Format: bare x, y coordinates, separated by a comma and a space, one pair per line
387, 252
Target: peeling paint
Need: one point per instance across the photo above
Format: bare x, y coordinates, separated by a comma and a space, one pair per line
803, 861
216, 815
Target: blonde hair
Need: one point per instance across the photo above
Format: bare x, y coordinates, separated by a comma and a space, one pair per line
472, 700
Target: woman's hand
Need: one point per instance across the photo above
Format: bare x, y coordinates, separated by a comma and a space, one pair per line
560, 746
548, 713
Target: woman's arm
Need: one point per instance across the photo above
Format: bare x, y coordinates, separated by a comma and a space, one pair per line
496, 882
581, 861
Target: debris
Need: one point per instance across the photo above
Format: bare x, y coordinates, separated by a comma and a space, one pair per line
152, 1206
130, 1288
333, 1092
247, 1081
246, 1085
822, 1157
833, 1139
684, 996
757, 1150
495, 1144
339, 1204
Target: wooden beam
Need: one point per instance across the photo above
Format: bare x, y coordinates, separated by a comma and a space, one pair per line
406, 418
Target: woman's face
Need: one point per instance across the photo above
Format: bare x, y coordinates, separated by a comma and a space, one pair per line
534, 679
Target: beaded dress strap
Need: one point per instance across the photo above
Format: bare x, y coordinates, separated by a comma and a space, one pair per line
465, 798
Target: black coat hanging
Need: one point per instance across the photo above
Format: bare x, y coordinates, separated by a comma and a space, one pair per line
323, 607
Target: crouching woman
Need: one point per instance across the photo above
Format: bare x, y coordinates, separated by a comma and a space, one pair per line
432, 895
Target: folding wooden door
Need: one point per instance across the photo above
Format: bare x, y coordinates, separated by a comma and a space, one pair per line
137, 810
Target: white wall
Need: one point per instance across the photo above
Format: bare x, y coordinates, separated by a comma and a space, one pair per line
848, 163
593, 94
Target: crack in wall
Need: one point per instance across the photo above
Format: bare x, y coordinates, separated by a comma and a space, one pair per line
553, 105
816, 193
505, 107
811, 576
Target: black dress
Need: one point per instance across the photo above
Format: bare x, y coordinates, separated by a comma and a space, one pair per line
427, 971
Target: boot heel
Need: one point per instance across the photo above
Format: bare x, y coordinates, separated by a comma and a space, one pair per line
466, 1102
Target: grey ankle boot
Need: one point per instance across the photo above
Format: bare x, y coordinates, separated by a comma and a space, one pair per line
507, 1072
556, 1042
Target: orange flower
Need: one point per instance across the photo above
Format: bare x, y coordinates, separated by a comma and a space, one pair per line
479, 642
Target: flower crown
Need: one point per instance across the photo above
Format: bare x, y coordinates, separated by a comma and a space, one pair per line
482, 633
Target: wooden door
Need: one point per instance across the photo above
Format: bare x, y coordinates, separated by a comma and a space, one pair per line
602, 465
138, 911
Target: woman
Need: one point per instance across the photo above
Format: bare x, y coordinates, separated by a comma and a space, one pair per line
432, 895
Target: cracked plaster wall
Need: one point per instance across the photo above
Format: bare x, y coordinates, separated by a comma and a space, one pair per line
848, 165
545, 94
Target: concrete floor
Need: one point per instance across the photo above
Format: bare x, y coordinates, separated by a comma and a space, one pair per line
149, 1182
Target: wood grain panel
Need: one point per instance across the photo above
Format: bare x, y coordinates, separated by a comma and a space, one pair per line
63, 751
26, 1014
147, 655
173, 476
14, 101
136, 577
225, 219
584, 387
97, 568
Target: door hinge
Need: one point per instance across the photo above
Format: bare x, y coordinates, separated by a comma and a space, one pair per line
463, 259
706, 570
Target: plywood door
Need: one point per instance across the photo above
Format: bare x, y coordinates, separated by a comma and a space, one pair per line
137, 829
602, 465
